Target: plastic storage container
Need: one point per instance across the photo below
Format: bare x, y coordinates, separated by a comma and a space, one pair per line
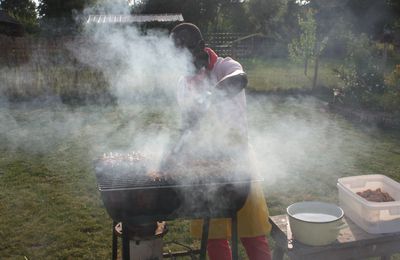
373, 217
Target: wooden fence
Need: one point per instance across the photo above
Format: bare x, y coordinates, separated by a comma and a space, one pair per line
237, 45
16, 51
34, 66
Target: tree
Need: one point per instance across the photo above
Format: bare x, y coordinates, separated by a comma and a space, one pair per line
199, 12
303, 47
360, 72
59, 17
109, 6
290, 20
267, 15
22, 10
61, 8
233, 17
369, 16
209, 15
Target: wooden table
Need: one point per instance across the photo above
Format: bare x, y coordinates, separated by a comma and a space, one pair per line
352, 243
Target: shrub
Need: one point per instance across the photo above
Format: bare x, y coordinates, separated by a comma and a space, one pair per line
391, 97
362, 74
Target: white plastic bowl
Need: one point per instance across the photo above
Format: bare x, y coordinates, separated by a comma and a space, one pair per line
315, 223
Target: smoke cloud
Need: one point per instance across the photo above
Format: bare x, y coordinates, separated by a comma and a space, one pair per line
292, 136
133, 64
142, 70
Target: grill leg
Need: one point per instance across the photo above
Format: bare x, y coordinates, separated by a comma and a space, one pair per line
234, 237
125, 243
204, 238
114, 242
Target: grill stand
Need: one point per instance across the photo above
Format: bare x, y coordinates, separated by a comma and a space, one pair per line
114, 241
204, 238
234, 245
203, 246
125, 245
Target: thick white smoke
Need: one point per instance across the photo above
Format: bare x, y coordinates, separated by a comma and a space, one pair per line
292, 136
288, 137
133, 61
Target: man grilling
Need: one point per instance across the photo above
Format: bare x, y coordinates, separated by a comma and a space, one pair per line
223, 107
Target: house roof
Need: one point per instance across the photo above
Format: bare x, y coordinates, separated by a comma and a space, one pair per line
6, 18
10, 26
136, 18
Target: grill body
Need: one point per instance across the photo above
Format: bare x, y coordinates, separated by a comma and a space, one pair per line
130, 197
171, 202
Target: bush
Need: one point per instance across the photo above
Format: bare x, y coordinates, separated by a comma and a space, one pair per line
391, 98
362, 74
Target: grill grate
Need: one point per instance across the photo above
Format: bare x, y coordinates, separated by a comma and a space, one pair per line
120, 183
131, 181
136, 171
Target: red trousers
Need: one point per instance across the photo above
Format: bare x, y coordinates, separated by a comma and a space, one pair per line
257, 248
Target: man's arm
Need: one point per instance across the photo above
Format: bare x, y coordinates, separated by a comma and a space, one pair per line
231, 78
232, 84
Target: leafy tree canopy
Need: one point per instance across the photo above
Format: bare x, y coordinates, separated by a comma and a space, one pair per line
364, 16
61, 8
267, 15
22, 10
207, 14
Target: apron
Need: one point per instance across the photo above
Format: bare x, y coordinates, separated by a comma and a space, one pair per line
252, 219
231, 114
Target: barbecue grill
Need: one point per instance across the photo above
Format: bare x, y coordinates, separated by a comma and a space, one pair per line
134, 193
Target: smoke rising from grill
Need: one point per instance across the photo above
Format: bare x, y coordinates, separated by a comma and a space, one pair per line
142, 72
293, 136
132, 64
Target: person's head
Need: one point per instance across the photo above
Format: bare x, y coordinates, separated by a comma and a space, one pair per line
188, 35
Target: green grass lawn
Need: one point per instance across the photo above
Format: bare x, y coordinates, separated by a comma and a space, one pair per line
281, 74
69, 82
49, 204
